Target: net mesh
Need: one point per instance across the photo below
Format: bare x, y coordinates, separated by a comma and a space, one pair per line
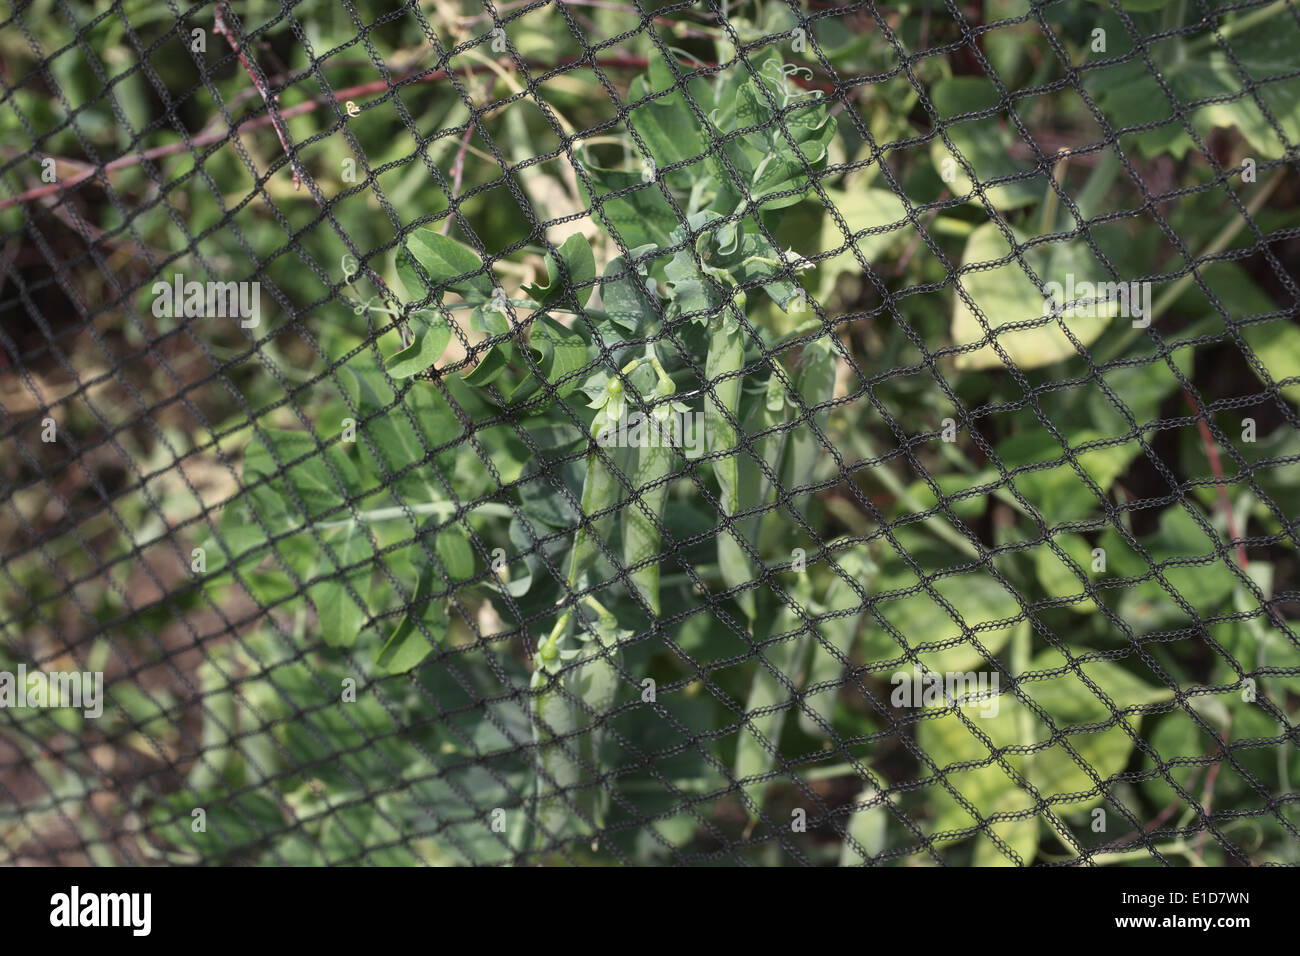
572, 432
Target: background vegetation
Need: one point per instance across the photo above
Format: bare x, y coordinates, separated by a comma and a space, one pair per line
430, 561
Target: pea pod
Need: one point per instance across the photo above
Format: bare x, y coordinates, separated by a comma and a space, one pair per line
654, 459
600, 488
766, 419
832, 645
570, 733
555, 721
793, 450
816, 386
558, 719
726, 358
596, 683
780, 666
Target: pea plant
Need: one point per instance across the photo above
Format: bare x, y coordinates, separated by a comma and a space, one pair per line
690, 509
600, 414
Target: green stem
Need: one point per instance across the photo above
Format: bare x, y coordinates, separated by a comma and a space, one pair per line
1099, 183
935, 524
948, 226
1240, 25
429, 508
1215, 246
1047, 222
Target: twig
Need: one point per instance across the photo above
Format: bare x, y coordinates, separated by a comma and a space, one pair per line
458, 166
1207, 795
1158, 819
1216, 466
910, 251
220, 26
221, 134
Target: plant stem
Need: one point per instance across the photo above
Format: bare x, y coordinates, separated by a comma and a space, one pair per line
1047, 222
934, 523
1232, 27
428, 508
1215, 246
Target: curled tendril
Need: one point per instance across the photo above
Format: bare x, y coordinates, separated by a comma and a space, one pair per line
781, 74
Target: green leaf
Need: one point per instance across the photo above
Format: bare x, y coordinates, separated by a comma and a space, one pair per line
1277, 345
235, 825
1071, 703
319, 487
1200, 69
456, 554
628, 296
985, 144
1176, 735
750, 257
689, 293
1074, 709
1006, 295
635, 208
430, 335
976, 596
1058, 493
339, 616
450, 266
786, 172
579, 269
666, 124
868, 828
988, 789
1056, 577
862, 210
494, 361
1204, 586
561, 351
402, 432
408, 646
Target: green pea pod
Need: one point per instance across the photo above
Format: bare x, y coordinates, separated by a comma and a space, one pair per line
767, 690
574, 690
596, 683
555, 721
558, 720
833, 643
654, 460
816, 386
766, 419
640, 533
726, 357
600, 491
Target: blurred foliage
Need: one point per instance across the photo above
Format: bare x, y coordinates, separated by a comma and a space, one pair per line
388, 476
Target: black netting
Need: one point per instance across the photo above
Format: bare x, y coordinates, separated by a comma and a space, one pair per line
612, 432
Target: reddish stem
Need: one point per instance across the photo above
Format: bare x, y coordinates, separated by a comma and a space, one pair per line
1216, 466
220, 26
256, 122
